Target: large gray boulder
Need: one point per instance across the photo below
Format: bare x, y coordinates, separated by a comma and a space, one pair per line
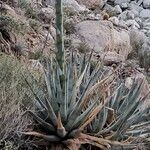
103, 37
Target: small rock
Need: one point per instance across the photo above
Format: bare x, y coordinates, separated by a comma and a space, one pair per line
114, 20
75, 5
119, 2
128, 14
148, 33
145, 13
146, 25
139, 2
122, 24
117, 9
112, 11
135, 8
144, 31
139, 21
133, 24
93, 17
146, 4
110, 58
124, 5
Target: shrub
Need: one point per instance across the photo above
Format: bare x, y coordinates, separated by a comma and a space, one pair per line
29, 11
15, 97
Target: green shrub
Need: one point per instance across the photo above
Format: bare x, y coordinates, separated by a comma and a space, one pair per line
9, 24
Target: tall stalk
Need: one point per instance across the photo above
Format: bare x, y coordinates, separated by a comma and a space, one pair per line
59, 33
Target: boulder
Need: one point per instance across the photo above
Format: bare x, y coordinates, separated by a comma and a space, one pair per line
146, 4
145, 13
103, 37
112, 11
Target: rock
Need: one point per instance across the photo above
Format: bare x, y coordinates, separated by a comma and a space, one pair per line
139, 21
146, 4
124, 5
112, 1
92, 4
109, 9
148, 33
122, 24
117, 9
75, 5
133, 24
135, 8
119, 2
47, 14
103, 37
146, 25
112, 11
94, 17
139, 2
145, 13
144, 31
125, 15
114, 20
130, 15
144, 55
110, 58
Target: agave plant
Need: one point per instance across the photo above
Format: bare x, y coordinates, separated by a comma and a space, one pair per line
71, 102
122, 118
74, 110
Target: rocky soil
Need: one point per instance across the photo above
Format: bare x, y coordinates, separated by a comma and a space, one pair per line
117, 30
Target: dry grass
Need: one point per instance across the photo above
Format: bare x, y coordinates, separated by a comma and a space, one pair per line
14, 97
